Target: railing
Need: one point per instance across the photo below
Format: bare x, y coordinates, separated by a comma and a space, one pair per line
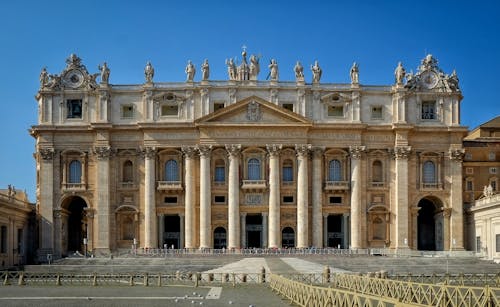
74, 186
253, 184
431, 186
169, 185
308, 295
336, 185
126, 185
451, 279
378, 184
419, 294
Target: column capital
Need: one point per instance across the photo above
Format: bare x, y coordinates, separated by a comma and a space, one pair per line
356, 151
233, 150
302, 149
264, 214
102, 152
274, 149
401, 152
446, 212
148, 152
457, 155
243, 214
46, 153
204, 150
188, 151
318, 151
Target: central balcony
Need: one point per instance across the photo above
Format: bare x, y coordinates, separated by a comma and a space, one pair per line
169, 186
254, 185
336, 185
74, 187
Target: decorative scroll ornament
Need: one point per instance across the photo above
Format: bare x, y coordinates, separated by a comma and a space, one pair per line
102, 152
47, 153
204, 150
457, 155
356, 151
188, 151
254, 112
148, 152
303, 149
274, 149
318, 151
233, 150
402, 152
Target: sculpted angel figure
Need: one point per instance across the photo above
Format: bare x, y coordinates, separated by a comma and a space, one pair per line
299, 71
205, 70
399, 73
316, 70
190, 71
149, 72
104, 72
273, 70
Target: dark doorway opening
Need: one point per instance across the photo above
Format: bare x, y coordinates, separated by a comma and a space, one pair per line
254, 230
220, 238
172, 235
335, 235
288, 237
77, 226
427, 225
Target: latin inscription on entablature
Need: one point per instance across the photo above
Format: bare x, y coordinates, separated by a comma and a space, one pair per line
254, 132
171, 136
379, 138
336, 136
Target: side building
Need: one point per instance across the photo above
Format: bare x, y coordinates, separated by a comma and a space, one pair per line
481, 179
247, 163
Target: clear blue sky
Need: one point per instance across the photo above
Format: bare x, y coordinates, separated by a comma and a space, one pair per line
462, 35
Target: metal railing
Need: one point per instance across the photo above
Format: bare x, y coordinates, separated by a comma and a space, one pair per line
462, 279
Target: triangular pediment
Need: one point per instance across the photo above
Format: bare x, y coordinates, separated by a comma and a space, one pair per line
253, 110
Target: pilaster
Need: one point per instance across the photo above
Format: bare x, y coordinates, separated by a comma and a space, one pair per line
456, 203
46, 198
401, 154
102, 220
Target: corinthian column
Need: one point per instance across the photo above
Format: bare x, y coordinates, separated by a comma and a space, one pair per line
189, 225
457, 233
302, 195
103, 154
149, 154
317, 197
274, 196
233, 213
356, 152
205, 196
401, 154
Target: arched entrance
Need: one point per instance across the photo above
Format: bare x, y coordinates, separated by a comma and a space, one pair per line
220, 238
430, 224
75, 228
288, 237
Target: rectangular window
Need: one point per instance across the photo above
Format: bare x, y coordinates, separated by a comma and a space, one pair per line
335, 199
288, 199
497, 239
3, 239
469, 170
429, 110
127, 111
336, 111
171, 200
169, 110
468, 156
493, 170
377, 113
288, 106
493, 184
287, 173
220, 174
469, 186
478, 244
74, 108
491, 156
218, 106
220, 199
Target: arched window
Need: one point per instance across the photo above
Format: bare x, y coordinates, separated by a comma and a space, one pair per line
429, 172
128, 171
253, 169
220, 171
377, 171
288, 170
171, 171
334, 171
75, 171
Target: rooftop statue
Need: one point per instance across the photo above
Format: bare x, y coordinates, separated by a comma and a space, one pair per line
149, 72
273, 70
205, 70
190, 71
104, 73
299, 71
254, 67
44, 78
231, 69
354, 73
316, 70
399, 74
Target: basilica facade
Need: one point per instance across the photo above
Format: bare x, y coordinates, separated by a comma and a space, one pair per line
245, 162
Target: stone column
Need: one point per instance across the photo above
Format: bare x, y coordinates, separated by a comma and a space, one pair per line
233, 196
149, 154
401, 154
302, 196
457, 231
46, 206
265, 243
205, 197
274, 195
243, 223
161, 229
317, 197
189, 197
181, 229
446, 229
345, 229
356, 236
102, 218
90, 213
325, 230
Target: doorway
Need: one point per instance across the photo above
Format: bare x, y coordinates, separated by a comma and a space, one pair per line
172, 232
430, 225
288, 237
254, 230
76, 224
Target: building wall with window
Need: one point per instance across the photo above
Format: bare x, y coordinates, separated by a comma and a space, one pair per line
16, 228
481, 171
247, 163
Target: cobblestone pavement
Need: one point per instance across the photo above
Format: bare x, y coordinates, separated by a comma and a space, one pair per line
247, 295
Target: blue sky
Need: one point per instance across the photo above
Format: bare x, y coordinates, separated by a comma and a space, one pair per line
462, 35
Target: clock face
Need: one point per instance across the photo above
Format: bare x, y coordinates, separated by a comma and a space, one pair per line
429, 79
73, 78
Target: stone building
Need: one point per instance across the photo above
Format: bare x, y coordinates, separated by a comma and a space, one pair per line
480, 171
16, 228
249, 163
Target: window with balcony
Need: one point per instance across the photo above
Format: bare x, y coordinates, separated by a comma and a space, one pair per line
429, 172
171, 170
334, 170
254, 169
287, 171
219, 172
75, 172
